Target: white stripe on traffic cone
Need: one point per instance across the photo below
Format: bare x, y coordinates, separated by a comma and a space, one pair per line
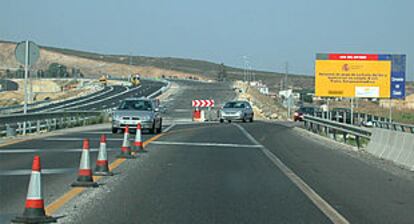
125, 149
138, 144
85, 178
34, 211
102, 167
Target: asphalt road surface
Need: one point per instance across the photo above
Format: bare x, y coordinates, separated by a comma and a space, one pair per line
258, 172
107, 98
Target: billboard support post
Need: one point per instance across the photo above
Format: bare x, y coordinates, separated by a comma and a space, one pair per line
329, 108
352, 110
390, 115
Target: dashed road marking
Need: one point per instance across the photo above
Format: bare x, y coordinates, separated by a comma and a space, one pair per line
21, 172
206, 144
317, 200
11, 151
78, 139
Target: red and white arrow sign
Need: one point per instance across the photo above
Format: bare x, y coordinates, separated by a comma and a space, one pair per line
203, 103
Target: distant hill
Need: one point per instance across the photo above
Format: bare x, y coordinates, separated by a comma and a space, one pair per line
205, 69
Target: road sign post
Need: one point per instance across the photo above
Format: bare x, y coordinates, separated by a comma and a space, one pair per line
27, 53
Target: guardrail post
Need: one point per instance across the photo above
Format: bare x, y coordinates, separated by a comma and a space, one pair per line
62, 122
38, 126
55, 123
19, 129
29, 129
358, 143
334, 134
344, 117
358, 118
47, 125
10, 132
344, 134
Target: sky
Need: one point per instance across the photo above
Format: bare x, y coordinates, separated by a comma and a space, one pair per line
269, 32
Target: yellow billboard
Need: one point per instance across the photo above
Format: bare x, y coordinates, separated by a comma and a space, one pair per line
352, 78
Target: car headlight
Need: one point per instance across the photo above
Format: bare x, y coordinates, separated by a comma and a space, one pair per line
116, 117
146, 118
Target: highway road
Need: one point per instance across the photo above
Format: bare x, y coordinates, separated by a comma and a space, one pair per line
260, 172
104, 99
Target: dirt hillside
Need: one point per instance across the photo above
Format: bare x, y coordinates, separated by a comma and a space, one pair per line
89, 67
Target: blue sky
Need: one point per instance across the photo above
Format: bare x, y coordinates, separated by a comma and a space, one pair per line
270, 32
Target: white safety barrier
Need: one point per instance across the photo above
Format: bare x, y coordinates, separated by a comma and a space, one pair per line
393, 145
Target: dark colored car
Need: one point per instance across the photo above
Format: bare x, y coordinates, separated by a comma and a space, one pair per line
298, 115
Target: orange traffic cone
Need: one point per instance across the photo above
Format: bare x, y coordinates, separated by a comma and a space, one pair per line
102, 168
34, 211
125, 149
138, 146
85, 178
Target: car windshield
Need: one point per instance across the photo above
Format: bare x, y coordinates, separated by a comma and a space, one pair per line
307, 109
135, 105
234, 105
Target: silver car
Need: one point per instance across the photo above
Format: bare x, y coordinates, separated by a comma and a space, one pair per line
134, 110
236, 110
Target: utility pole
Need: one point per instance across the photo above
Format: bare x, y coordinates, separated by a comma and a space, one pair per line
245, 68
26, 74
286, 73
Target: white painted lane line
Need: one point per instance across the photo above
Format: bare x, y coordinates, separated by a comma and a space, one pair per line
11, 151
317, 200
80, 101
205, 144
79, 139
44, 171
98, 132
168, 128
107, 98
183, 110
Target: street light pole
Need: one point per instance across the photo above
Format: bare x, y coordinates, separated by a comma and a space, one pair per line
26, 74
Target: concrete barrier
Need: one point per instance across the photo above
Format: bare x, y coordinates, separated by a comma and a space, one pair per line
393, 145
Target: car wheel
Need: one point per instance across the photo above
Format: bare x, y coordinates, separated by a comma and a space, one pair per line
244, 119
159, 130
229, 121
221, 120
153, 130
251, 119
114, 130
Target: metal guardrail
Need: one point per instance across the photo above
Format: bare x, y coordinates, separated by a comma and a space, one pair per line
12, 125
394, 126
334, 128
345, 117
362, 119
